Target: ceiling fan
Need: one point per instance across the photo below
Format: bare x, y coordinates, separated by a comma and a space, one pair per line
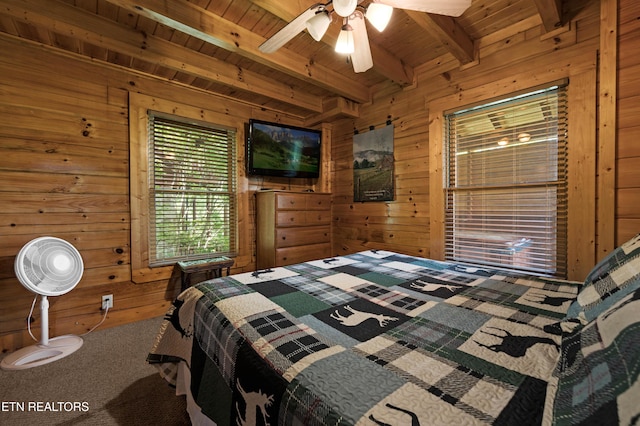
353, 39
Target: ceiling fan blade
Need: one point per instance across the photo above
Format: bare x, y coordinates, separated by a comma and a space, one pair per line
440, 7
290, 30
361, 57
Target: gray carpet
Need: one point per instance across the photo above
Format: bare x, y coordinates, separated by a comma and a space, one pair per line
108, 379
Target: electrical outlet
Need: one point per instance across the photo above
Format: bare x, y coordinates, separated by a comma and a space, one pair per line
107, 301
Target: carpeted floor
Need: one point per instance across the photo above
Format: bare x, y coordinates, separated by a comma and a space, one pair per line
106, 382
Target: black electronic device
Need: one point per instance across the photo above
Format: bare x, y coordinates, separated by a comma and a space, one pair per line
275, 149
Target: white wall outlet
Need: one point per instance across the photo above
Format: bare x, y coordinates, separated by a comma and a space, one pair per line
107, 301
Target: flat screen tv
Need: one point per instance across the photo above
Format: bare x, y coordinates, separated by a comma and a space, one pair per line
280, 150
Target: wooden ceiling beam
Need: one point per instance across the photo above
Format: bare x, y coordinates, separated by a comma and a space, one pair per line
384, 62
334, 108
551, 13
67, 20
449, 32
211, 28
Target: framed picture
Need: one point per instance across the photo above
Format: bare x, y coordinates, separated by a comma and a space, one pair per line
373, 165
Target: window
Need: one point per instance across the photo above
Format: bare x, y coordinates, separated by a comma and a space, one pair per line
192, 189
506, 183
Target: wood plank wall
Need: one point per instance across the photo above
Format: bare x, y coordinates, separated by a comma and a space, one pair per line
513, 59
628, 101
64, 145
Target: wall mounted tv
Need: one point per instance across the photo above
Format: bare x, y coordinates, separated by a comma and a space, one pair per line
279, 150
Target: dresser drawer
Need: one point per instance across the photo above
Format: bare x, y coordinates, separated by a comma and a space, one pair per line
318, 202
303, 201
287, 237
290, 255
302, 218
291, 201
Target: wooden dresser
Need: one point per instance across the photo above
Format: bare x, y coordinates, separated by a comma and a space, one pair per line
292, 227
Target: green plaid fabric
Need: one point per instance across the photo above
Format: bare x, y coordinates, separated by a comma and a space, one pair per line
612, 279
599, 368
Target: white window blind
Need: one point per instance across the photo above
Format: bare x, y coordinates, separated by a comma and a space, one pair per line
192, 194
506, 183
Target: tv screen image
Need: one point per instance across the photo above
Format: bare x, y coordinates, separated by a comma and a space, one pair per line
280, 150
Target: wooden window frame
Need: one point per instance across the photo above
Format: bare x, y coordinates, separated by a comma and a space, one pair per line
139, 107
582, 101
485, 171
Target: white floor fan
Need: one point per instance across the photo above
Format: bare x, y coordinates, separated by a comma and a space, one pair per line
47, 266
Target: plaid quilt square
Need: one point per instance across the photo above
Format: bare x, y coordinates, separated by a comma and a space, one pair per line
224, 288
396, 300
347, 383
217, 337
308, 270
298, 303
456, 318
322, 291
434, 337
212, 392
281, 339
381, 279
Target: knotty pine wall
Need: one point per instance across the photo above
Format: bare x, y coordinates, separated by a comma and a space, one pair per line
64, 167
513, 59
627, 181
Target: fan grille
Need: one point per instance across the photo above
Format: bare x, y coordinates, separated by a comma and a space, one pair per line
49, 266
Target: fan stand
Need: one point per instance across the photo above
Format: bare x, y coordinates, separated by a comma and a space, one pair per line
48, 350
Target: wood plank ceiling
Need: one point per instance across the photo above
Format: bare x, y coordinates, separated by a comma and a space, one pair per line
213, 45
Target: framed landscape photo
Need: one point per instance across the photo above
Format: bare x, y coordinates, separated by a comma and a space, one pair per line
373, 165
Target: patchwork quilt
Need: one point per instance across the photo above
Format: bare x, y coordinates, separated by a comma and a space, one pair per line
375, 338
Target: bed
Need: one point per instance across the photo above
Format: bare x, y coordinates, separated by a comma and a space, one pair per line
382, 338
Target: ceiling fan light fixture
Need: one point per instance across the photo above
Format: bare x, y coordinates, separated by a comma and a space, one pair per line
345, 40
524, 137
318, 25
379, 15
345, 8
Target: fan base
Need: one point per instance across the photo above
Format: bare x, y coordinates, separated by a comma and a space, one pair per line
35, 355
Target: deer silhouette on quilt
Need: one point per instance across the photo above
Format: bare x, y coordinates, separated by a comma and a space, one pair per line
358, 317
515, 346
256, 274
256, 405
414, 417
549, 300
174, 319
425, 286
